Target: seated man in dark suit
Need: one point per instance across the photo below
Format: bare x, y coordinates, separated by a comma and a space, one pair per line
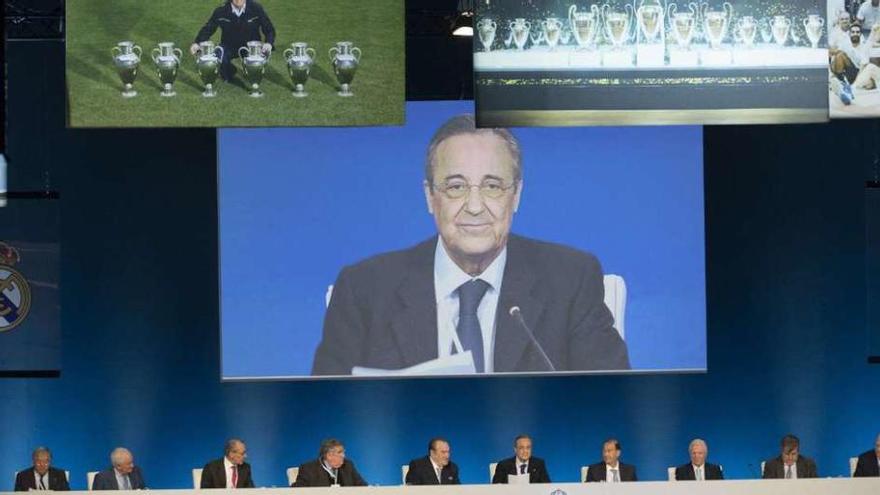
123, 475
230, 471
437, 301
698, 469
331, 468
521, 464
435, 468
790, 464
869, 462
611, 469
42, 476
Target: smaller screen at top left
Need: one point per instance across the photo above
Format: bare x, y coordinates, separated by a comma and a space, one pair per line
235, 63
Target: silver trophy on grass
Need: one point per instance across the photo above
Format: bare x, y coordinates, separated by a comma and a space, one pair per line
683, 24
167, 60
813, 27
208, 60
127, 59
584, 25
253, 64
345, 58
300, 59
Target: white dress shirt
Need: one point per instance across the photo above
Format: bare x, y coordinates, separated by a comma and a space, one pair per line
699, 472
238, 12
519, 469
609, 474
120, 480
793, 470
228, 465
45, 480
447, 279
437, 470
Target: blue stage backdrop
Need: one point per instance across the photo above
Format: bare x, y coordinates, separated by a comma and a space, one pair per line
296, 205
785, 285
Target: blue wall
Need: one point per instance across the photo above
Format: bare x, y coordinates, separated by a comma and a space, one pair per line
785, 275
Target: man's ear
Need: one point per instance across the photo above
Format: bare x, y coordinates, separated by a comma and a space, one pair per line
429, 196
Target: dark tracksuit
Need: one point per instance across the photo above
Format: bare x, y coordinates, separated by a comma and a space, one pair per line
236, 31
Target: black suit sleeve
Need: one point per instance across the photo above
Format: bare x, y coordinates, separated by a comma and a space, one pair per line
356, 478
453, 468
248, 481
99, 483
635, 476
303, 479
500, 476
719, 472
209, 29
411, 475
543, 474
342, 341
19, 482
266, 27
208, 480
58, 480
594, 343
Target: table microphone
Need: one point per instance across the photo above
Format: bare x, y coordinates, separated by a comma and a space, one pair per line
516, 313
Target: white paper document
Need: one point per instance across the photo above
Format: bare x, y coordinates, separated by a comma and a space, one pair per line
456, 364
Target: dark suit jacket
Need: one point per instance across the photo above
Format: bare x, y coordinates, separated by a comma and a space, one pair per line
106, 480
775, 468
597, 472
214, 475
383, 312
421, 472
313, 474
685, 472
536, 469
867, 465
24, 480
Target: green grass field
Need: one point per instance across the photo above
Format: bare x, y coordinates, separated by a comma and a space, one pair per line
94, 88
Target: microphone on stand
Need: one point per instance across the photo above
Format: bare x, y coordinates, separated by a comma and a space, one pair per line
517, 314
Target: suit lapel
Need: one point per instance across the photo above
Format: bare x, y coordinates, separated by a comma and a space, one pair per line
511, 340
414, 323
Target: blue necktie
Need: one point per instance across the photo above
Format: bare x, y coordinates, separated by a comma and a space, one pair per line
469, 296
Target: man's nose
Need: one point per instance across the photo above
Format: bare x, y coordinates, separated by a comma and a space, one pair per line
474, 201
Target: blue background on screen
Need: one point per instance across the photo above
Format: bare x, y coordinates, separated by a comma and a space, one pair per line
296, 205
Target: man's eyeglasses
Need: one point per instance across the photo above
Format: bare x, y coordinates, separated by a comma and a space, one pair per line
458, 189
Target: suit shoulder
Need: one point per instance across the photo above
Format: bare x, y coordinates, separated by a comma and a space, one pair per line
383, 262
553, 254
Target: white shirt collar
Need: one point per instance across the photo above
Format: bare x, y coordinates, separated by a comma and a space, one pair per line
616, 466
236, 10
227, 463
448, 276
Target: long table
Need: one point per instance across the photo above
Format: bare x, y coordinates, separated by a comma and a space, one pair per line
818, 486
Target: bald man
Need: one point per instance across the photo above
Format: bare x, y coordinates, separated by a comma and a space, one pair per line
230, 471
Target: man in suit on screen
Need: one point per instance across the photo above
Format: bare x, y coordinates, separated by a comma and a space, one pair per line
611, 470
790, 464
331, 468
475, 287
869, 462
239, 21
122, 475
435, 468
230, 471
698, 469
523, 463
42, 476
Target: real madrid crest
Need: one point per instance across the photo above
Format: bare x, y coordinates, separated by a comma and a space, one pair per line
15, 293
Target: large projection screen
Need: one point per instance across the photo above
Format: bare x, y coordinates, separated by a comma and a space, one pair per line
606, 254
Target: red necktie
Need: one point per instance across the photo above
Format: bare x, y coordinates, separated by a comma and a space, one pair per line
234, 476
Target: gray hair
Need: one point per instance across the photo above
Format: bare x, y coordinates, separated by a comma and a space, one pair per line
41, 450
118, 455
230, 444
697, 441
465, 124
328, 445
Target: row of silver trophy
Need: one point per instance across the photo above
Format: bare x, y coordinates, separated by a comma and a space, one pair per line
645, 25
344, 57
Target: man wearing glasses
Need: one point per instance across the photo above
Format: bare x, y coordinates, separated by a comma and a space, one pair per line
470, 299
